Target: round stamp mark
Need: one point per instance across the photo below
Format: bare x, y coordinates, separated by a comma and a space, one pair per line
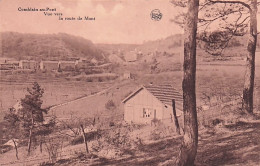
156, 15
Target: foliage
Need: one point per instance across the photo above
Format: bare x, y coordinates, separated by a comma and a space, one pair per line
116, 137
110, 105
48, 47
31, 113
28, 119
12, 120
218, 23
92, 135
54, 148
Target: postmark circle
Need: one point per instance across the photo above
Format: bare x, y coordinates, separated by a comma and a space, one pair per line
156, 15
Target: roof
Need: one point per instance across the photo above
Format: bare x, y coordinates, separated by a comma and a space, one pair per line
28, 61
164, 93
67, 62
49, 61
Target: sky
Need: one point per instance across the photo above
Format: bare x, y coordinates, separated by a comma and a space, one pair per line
116, 21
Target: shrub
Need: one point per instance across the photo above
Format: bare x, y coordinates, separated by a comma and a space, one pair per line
89, 136
89, 80
78, 79
100, 79
5, 148
161, 131
110, 105
54, 148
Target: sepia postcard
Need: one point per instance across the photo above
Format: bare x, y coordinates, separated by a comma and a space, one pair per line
129, 82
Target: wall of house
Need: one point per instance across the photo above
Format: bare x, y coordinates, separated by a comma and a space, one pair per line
49, 66
134, 107
24, 65
33, 65
28, 65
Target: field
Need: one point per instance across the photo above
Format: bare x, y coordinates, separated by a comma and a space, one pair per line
56, 90
226, 137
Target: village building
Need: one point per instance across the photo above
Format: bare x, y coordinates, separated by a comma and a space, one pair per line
130, 56
14, 63
6, 66
152, 102
94, 61
27, 64
82, 64
67, 65
49, 65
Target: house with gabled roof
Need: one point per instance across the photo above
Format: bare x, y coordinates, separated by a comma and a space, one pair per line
152, 102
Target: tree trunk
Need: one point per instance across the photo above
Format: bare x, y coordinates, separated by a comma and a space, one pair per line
248, 92
41, 146
30, 135
84, 137
188, 149
175, 118
29, 142
16, 150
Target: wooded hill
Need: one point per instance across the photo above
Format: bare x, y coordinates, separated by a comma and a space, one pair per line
59, 46
63, 46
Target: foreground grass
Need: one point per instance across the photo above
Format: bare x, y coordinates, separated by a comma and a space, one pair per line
233, 144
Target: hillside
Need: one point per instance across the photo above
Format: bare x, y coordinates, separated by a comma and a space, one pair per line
63, 46
119, 47
172, 46
168, 44
175, 41
48, 47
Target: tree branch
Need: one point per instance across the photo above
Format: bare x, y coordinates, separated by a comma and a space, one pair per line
232, 2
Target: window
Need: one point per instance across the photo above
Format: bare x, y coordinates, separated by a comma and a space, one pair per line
147, 113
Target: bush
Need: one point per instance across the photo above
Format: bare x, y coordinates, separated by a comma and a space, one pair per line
89, 136
110, 105
54, 148
117, 138
161, 131
5, 148
100, 79
89, 80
